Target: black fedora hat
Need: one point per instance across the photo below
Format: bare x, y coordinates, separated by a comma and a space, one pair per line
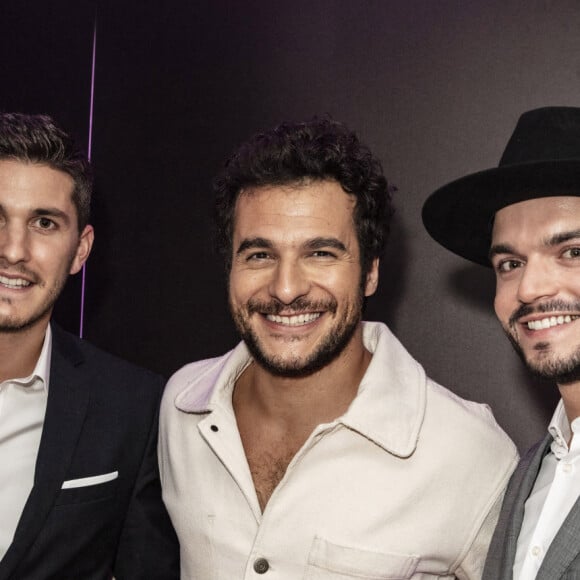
542, 159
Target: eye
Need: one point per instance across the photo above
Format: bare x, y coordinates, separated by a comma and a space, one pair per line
45, 223
323, 254
571, 253
506, 266
257, 256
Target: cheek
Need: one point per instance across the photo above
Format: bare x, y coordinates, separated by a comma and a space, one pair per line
54, 257
244, 284
503, 303
337, 277
47, 260
497, 307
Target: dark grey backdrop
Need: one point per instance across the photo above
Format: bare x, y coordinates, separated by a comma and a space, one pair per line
434, 88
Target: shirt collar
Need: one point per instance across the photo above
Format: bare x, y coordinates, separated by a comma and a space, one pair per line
389, 406
39, 378
561, 431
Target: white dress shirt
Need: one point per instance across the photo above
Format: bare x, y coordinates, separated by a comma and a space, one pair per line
22, 410
555, 491
406, 484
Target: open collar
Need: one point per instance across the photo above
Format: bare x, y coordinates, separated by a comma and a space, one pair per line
388, 409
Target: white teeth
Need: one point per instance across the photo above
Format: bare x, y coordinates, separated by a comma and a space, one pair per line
13, 283
550, 321
293, 320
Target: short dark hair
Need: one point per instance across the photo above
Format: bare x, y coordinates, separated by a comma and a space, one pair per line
319, 149
38, 139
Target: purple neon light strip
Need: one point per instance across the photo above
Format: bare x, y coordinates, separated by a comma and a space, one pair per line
89, 152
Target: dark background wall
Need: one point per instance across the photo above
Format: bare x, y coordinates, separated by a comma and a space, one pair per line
435, 89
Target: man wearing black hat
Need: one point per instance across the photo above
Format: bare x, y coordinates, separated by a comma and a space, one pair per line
523, 219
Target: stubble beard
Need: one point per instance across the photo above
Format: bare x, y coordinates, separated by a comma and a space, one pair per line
561, 370
331, 346
14, 324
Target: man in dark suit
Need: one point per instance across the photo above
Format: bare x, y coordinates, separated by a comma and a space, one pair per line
78, 427
523, 219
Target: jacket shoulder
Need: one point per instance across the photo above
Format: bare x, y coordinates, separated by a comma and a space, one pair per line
95, 364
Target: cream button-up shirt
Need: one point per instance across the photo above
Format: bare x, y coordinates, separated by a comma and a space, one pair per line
406, 484
22, 409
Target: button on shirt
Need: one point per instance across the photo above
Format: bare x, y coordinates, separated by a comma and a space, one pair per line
555, 491
22, 410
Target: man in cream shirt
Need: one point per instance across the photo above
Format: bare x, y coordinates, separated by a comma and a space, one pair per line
80, 489
318, 447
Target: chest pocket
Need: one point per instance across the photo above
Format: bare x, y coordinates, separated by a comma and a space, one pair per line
327, 560
90, 493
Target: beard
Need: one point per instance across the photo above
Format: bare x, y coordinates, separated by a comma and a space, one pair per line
330, 347
14, 323
563, 370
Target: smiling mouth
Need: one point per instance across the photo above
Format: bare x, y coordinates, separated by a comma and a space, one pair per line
550, 321
296, 320
14, 283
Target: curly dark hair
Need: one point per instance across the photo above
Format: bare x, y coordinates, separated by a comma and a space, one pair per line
38, 139
319, 149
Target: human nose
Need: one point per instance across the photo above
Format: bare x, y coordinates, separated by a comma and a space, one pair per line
14, 244
537, 281
289, 282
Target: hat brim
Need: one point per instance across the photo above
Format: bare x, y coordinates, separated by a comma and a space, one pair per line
460, 214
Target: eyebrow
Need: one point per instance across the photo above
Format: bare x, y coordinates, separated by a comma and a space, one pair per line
313, 244
562, 237
52, 212
253, 243
500, 249
45, 211
552, 241
318, 243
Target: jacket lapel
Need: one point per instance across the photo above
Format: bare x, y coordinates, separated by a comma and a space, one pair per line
518, 492
68, 398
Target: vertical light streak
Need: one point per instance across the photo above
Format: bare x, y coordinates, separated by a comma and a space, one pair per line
89, 153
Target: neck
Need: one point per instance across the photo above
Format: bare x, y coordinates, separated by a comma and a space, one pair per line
19, 351
314, 399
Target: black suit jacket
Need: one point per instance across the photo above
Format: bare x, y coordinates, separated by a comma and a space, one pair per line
101, 417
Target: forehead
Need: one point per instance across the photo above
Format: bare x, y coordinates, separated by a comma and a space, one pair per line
536, 218
34, 185
314, 208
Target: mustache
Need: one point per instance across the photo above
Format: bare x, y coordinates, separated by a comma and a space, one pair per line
275, 307
19, 269
552, 306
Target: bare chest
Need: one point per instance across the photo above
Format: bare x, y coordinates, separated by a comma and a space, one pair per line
268, 461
